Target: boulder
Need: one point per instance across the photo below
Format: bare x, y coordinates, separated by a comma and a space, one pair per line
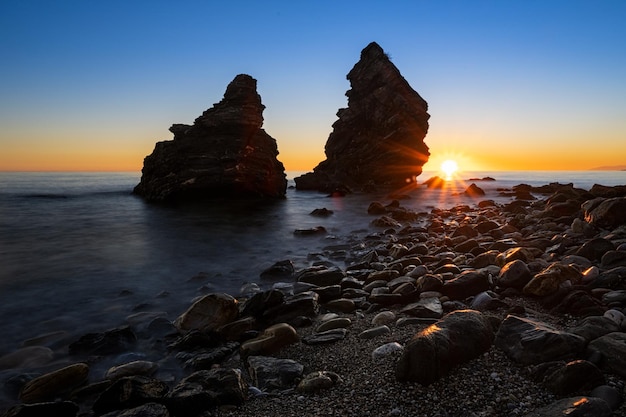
528, 341
612, 347
224, 153
455, 339
208, 313
129, 392
52, 409
593, 327
270, 341
270, 374
548, 281
105, 343
514, 274
574, 377
206, 390
48, 386
466, 284
605, 213
378, 140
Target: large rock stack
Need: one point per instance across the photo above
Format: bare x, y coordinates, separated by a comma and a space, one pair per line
224, 153
378, 140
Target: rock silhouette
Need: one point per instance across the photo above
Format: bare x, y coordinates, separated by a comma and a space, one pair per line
225, 153
378, 140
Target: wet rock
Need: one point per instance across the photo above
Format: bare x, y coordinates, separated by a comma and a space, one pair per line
614, 278
109, 342
269, 374
433, 352
208, 313
130, 392
474, 191
145, 368
205, 390
48, 386
611, 395
270, 341
27, 357
530, 342
380, 133
224, 153
256, 305
321, 277
303, 304
612, 347
208, 359
281, 269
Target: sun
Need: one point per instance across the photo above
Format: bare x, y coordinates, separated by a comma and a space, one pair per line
449, 167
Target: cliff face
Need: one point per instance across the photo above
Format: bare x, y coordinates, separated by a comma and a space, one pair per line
378, 140
224, 153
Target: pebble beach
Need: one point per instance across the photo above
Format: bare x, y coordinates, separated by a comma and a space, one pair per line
336, 338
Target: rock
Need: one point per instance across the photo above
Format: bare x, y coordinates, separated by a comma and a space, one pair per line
592, 327
456, 338
466, 284
146, 410
208, 359
236, 330
378, 141
474, 191
224, 153
303, 304
341, 305
384, 317
575, 376
514, 274
205, 390
51, 409
109, 342
208, 313
256, 305
374, 332
317, 381
548, 281
425, 308
271, 374
574, 407
271, 340
611, 395
386, 350
616, 317
321, 277
612, 347
129, 392
27, 357
595, 248
613, 259
281, 269
52, 384
527, 341
328, 336
605, 213
337, 323
146, 368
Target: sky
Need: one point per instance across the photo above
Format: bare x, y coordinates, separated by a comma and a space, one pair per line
511, 85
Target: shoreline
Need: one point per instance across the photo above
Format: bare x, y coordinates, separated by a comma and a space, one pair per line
495, 384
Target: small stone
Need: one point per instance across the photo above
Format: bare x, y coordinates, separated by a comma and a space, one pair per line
375, 332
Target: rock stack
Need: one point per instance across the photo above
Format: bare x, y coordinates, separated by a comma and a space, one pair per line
378, 140
224, 153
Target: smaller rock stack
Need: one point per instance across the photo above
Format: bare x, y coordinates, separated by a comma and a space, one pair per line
225, 153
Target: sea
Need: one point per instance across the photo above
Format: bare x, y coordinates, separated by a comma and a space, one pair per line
80, 253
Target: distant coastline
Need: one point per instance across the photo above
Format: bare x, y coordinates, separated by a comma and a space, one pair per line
610, 168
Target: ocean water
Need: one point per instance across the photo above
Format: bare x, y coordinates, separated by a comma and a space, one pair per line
80, 253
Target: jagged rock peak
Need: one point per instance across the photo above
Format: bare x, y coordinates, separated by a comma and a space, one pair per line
378, 140
225, 153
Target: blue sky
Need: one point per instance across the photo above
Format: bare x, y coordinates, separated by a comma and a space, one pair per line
510, 84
